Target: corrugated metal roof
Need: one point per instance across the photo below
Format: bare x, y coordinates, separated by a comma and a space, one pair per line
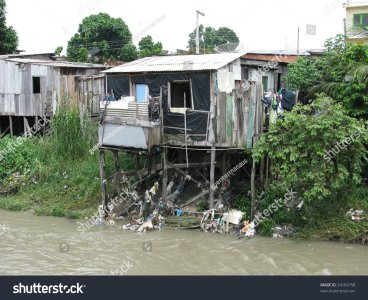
302, 52
59, 64
177, 63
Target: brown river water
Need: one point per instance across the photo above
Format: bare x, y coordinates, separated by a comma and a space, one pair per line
32, 245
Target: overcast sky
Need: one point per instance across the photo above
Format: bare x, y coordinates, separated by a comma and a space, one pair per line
42, 25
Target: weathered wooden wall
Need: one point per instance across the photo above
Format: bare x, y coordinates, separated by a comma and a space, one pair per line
16, 97
91, 90
238, 114
58, 85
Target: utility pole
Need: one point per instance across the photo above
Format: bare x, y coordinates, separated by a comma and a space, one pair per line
197, 36
345, 32
297, 49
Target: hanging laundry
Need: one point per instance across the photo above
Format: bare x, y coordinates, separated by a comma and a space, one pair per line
288, 99
273, 110
225, 81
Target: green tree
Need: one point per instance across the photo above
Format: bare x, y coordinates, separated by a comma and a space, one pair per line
129, 52
102, 34
340, 73
8, 36
147, 47
299, 144
58, 50
210, 37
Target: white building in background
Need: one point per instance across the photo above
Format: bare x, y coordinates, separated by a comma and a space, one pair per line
356, 22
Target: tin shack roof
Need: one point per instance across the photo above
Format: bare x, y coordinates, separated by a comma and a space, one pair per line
177, 63
53, 63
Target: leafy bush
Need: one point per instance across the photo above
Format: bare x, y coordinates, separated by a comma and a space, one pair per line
265, 227
242, 202
17, 155
341, 73
298, 146
203, 205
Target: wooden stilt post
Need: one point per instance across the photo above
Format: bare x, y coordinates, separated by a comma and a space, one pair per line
267, 171
261, 170
137, 165
271, 171
212, 177
149, 171
115, 154
25, 127
253, 191
11, 125
224, 163
103, 178
164, 175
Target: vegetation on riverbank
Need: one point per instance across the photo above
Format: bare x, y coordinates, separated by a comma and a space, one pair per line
318, 151
56, 174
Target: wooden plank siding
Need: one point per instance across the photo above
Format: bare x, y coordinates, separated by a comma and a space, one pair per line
57, 85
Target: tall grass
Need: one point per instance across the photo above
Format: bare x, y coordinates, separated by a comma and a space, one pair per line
56, 174
72, 135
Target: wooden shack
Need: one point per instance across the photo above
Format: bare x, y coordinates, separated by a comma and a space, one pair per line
186, 112
33, 86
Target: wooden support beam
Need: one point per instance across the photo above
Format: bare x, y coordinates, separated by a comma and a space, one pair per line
271, 169
196, 197
103, 178
11, 125
224, 163
164, 175
149, 171
25, 133
117, 171
191, 165
212, 178
200, 174
261, 170
136, 164
182, 172
253, 191
4, 132
246, 171
267, 171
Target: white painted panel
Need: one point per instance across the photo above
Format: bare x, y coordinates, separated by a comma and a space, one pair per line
122, 136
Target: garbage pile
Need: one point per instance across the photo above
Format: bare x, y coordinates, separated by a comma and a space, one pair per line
248, 230
227, 222
355, 215
154, 221
283, 231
